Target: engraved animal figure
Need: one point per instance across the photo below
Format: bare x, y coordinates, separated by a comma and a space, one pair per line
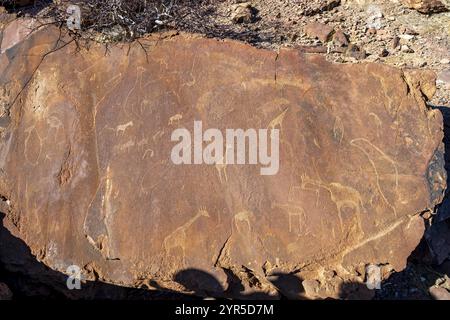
376, 157
175, 119
122, 128
294, 212
222, 167
125, 146
243, 216
342, 196
377, 121
178, 238
294, 193
278, 121
54, 123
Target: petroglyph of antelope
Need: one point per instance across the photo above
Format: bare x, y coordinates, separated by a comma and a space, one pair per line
122, 128
175, 119
294, 212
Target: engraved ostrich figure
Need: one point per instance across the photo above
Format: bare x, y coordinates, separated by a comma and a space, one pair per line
177, 239
342, 196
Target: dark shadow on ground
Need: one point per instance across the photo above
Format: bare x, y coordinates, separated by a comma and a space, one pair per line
204, 284
438, 234
30, 279
12, 6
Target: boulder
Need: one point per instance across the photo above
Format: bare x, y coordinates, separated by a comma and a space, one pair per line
242, 12
438, 293
16, 31
428, 6
340, 38
320, 31
88, 172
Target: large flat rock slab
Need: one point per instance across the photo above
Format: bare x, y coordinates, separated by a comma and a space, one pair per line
86, 161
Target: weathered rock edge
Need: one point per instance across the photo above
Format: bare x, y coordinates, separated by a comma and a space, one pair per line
86, 171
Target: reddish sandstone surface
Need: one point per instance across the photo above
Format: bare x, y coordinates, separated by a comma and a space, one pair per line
85, 157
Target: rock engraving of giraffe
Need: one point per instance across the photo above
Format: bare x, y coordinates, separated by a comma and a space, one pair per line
278, 121
379, 160
222, 166
178, 238
342, 196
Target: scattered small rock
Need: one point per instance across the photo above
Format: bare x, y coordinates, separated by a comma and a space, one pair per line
242, 12
371, 31
384, 53
395, 42
427, 215
406, 49
316, 8
340, 38
356, 52
443, 78
426, 6
406, 37
374, 17
320, 31
311, 287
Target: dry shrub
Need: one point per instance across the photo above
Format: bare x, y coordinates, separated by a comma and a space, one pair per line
119, 20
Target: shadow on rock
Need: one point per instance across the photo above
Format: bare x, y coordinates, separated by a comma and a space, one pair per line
199, 282
437, 235
28, 278
429, 264
204, 284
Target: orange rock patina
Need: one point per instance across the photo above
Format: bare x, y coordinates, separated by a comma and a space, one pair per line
85, 157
